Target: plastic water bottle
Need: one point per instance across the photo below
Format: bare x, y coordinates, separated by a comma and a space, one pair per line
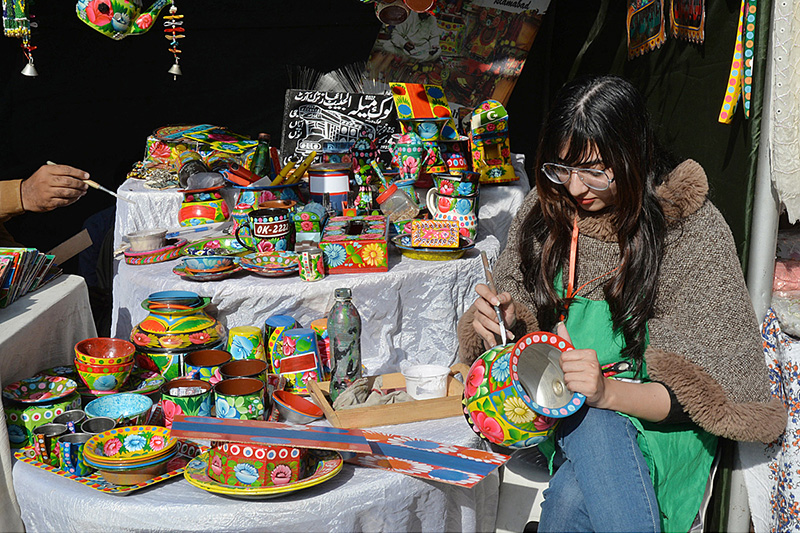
344, 334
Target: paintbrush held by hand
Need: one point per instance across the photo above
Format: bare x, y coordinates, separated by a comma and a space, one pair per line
93, 184
490, 282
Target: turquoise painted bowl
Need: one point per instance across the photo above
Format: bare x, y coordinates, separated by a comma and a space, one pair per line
126, 408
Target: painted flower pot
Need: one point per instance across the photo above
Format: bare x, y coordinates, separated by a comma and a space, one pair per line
248, 465
245, 368
246, 342
514, 394
462, 209
203, 206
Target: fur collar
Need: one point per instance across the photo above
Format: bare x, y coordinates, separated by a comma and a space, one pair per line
682, 193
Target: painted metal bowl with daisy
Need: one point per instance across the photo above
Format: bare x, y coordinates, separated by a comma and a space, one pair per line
515, 394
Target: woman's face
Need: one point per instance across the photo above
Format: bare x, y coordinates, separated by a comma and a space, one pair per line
590, 199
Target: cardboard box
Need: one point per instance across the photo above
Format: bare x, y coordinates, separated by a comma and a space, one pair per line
396, 413
356, 244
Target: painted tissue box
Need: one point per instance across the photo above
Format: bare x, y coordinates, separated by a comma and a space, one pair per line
356, 244
249, 465
22, 418
434, 234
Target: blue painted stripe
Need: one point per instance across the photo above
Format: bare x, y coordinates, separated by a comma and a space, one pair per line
277, 433
442, 460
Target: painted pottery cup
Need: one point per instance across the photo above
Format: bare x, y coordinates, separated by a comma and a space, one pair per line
106, 377
245, 368
71, 453
182, 396
252, 465
72, 419
120, 18
312, 266
203, 206
205, 364
273, 328
462, 209
289, 205
104, 351
246, 342
465, 184
298, 359
515, 394
240, 398
45, 442
96, 425
270, 229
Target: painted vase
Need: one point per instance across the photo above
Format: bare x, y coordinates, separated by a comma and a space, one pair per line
203, 206
462, 209
515, 394
177, 324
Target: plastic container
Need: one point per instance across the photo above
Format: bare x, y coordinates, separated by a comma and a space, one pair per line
424, 382
396, 204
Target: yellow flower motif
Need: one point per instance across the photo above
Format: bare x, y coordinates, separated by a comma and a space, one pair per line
517, 411
372, 254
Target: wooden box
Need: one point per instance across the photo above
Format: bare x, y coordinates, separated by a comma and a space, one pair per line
396, 413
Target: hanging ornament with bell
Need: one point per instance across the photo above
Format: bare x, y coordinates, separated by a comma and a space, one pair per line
17, 23
173, 29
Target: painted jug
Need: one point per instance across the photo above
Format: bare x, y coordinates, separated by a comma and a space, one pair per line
515, 394
462, 209
119, 18
270, 230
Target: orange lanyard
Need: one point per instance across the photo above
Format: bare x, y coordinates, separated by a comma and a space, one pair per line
573, 256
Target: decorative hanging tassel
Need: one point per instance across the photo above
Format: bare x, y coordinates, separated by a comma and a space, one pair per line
17, 23
173, 28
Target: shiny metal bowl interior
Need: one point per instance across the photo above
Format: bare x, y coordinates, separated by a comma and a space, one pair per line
541, 376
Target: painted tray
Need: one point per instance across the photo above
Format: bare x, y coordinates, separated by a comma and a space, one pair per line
216, 246
39, 389
167, 253
328, 465
403, 243
129, 443
186, 452
141, 381
212, 276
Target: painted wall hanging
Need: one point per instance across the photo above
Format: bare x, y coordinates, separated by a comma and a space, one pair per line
173, 28
688, 20
119, 18
646, 30
17, 23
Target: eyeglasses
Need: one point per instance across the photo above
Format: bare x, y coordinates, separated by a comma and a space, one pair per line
591, 177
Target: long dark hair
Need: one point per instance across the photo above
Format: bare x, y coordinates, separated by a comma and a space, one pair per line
604, 115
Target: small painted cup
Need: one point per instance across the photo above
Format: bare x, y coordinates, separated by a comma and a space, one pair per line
312, 267
245, 368
98, 424
182, 396
72, 419
240, 398
205, 364
269, 228
246, 342
45, 442
70, 454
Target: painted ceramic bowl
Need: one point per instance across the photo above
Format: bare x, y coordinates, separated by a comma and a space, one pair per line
127, 408
248, 465
104, 377
515, 394
133, 445
208, 263
296, 409
104, 351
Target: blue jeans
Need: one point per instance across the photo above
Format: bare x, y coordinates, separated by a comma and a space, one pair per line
603, 483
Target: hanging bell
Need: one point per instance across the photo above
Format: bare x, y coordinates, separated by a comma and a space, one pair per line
175, 70
30, 70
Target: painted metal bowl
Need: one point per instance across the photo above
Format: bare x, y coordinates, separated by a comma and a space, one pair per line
104, 351
133, 445
127, 408
104, 377
296, 409
515, 394
208, 263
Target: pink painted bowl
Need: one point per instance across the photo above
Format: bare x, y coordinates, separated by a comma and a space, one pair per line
104, 351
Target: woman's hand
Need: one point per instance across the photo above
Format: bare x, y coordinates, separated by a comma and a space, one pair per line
582, 372
485, 320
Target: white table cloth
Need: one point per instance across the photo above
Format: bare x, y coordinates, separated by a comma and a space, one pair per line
408, 313
357, 499
38, 331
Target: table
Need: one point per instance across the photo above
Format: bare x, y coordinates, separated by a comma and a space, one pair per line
408, 313
357, 499
38, 331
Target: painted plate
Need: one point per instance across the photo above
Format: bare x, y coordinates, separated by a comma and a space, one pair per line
131, 443
186, 452
329, 464
211, 276
216, 246
403, 243
39, 389
273, 272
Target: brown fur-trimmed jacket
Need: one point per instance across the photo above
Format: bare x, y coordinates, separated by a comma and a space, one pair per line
704, 341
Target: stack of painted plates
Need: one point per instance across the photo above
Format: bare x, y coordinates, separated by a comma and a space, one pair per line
271, 264
207, 267
131, 455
